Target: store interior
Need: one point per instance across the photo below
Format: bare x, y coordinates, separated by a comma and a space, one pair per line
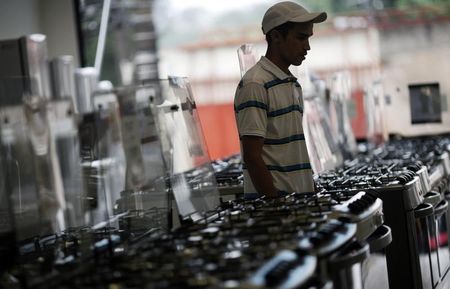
120, 159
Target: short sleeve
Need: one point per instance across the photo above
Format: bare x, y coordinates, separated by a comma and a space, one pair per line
298, 92
251, 108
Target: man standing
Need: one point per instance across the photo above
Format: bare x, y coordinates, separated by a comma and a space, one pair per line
269, 107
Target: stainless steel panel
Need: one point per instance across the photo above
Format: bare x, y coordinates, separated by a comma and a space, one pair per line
429, 271
63, 78
442, 231
86, 80
34, 50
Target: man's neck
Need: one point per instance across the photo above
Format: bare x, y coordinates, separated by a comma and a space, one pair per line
276, 59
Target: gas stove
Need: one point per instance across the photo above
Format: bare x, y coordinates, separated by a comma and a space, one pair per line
375, 178
264, 241
364, 209
411, 179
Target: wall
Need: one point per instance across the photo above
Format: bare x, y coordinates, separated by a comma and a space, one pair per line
415, 55
54, 18
57, 18
19, 17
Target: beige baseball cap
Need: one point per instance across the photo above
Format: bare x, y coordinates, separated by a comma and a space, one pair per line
287, 11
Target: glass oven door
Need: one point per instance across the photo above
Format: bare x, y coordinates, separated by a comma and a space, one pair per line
440, 216
345, 266
429, 271
375, 274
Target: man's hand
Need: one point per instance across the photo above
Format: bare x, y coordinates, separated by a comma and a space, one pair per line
260, 175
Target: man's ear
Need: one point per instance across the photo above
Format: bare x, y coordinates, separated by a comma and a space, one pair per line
276, 36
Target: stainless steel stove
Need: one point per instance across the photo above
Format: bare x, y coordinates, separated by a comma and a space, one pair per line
416, 214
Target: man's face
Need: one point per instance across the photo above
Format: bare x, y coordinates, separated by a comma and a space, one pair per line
295, 45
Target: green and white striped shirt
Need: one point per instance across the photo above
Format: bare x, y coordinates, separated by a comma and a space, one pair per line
268, 103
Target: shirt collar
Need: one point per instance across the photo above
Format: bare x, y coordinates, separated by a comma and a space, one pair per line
275, 70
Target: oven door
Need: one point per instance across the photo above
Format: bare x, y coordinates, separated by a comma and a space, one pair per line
375, 274
345, 266
440, 216
427, 259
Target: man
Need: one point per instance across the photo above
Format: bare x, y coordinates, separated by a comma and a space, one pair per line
269, 107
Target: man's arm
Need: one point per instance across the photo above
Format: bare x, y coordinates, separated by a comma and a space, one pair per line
260, 175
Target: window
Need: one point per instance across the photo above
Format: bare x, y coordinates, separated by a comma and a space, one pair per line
425, 103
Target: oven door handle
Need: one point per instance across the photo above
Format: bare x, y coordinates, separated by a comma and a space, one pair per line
354, 253
441, 208
432, 198
423, 210
380, 239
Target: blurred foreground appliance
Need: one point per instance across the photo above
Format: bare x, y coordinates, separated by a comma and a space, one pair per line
24, 60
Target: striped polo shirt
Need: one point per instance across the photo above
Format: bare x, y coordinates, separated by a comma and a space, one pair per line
268, 103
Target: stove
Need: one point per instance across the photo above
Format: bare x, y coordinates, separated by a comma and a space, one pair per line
416, 214
248, 243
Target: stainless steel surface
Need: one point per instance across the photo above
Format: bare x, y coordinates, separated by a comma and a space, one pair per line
64, 129
424, 179
346, 266
441, 236
432, 198
414, 195
367, 221
35, 177
445, 159
63, 79
36, 64
375, 268
437, 174
86, 80
294, 278
47, 170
